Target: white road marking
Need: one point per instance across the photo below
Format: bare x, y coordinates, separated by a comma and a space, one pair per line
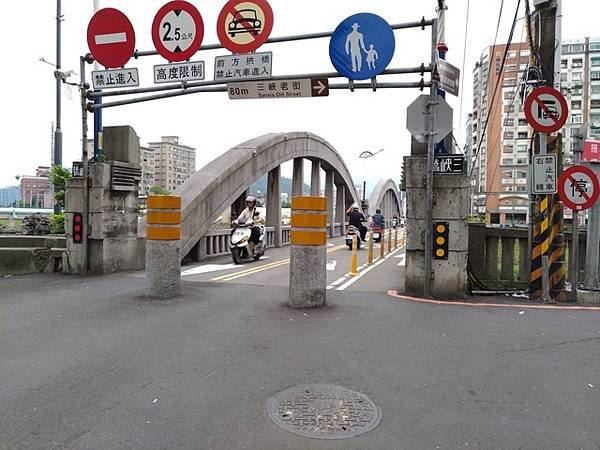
364, 271
329, 244
338, 281
402, 261
112, 38
331, 265
207, 268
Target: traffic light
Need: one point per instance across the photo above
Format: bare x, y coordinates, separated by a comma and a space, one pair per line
440, 240
77, 228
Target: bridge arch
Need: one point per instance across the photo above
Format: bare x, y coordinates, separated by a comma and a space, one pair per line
386, 197
216, 186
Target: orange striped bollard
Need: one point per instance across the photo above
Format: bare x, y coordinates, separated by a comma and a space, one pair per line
308, 255
163, 258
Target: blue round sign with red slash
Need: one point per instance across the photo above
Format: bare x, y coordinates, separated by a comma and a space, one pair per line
578, 188
546, 110
244, 25
177, 31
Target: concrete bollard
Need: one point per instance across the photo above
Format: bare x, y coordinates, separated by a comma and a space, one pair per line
308, 255
163, 258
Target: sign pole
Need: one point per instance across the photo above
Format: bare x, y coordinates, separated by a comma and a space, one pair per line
574, 262
84, 163
430, 157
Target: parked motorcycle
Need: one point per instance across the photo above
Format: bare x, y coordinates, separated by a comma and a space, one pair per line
352, 231
242, 250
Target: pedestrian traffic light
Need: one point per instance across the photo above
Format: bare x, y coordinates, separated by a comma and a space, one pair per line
77, 228
440, 240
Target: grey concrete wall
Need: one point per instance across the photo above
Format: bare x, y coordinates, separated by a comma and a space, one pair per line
274, 203
451, 204
308, 277
121, 143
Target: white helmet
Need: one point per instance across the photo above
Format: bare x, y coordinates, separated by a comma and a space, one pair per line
252, 199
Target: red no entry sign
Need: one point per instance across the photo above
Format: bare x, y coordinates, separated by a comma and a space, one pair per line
578, 188
111, 38
243, 26
546, 110
177, 31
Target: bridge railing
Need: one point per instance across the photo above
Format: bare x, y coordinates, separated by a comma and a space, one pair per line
216, 241
498, 256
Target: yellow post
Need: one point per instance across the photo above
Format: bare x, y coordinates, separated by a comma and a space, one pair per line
370, 257
396, 237
390, 240
382, 244
354, 258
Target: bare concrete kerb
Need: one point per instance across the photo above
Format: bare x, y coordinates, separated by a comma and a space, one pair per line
308, 254
163, 247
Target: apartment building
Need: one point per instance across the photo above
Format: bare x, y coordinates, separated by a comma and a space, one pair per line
148, 167
499, 156
37, 190
174, 163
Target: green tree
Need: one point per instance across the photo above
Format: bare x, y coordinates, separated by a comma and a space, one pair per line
158, 190
58, 177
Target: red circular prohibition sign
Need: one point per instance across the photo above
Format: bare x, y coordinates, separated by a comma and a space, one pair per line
558, 122
111, 38
177, 54
244, 21
568, 178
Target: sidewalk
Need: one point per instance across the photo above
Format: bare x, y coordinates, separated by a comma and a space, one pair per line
88, 363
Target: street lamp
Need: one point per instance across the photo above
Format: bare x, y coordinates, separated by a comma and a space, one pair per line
366, 155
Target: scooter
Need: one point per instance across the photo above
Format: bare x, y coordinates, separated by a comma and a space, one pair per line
376, 230
352, 231
242, 250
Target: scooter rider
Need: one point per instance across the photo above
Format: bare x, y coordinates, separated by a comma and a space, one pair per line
378, 219
251, 213
356, 218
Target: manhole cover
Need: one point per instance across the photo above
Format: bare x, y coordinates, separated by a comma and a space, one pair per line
323, 411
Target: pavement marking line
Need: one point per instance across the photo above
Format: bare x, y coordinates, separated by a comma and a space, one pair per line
207, 268
395, 294
366, 270
253, 270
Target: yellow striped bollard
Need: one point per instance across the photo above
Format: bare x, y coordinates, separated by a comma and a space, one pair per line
354, 258
389, 240
370, 256
308, 255
382, 244
163, 258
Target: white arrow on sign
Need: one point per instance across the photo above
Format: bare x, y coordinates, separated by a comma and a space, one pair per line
331, 265
319, 87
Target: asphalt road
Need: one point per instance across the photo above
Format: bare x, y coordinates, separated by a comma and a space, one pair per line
87, 363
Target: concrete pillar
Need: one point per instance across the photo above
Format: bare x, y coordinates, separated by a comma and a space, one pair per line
298, 177
274, 204
315, 178
329, 194
163, 256
340, 206
308, 254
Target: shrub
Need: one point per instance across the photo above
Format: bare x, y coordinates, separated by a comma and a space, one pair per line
57, 223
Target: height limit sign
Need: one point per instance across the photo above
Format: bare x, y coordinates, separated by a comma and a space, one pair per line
544, 174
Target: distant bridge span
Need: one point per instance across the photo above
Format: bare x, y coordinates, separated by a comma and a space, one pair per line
386, 197
225, 180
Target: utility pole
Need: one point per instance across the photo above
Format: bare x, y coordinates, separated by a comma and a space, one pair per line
57, 157
98, 141
548, 240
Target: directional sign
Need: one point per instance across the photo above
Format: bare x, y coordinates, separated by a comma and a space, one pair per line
242, 67
416, 119
243, 26
448, 76
546, 110
115, 78
591, 151
316, 87
362, 46
544, 174
179, 72
177, 31
111, 38
449, 165
578, 188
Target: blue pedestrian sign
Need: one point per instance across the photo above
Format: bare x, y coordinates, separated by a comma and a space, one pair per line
362, 46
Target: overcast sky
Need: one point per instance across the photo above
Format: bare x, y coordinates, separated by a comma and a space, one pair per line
351, 122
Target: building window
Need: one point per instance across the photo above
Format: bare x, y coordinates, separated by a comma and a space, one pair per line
564, 64
522, 122
577, 76
595, 89
509, 122
563, 77
522, 135
507, 149
576, 118
576, 104
595, 104
507, 161
521, 148
521, 161
509, 135
577, 63
595, 75
594, 46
